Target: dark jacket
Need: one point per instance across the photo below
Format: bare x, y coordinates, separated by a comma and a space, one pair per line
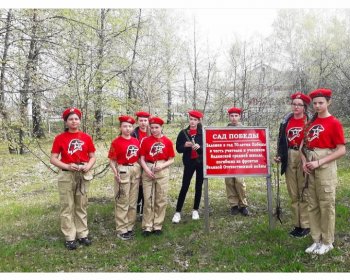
135, 133
282, 143
184, 136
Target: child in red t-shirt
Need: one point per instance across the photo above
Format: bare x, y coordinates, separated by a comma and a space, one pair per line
324, 142
74, 153
291, 134
157, 154
123, 158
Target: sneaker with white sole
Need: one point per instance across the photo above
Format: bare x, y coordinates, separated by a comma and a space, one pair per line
195, 215
124, 236
313, 247
177, 218
295, 231
323, 249
303, 232
71, 245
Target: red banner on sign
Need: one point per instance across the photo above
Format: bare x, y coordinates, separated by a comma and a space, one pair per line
235, 151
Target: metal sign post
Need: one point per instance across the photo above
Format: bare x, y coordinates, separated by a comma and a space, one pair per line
269, 202
206, 205
236, 152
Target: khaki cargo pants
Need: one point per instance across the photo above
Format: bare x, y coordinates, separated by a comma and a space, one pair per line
125, 194
236, 192
155, 199
295, 186
72, 188
322, 186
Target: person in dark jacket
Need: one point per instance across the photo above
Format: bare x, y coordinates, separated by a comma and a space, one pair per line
291, 134
141, 132
189, 143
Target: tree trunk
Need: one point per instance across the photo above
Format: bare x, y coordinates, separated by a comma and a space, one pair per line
194, 102
3, 110
207, 90
24, 91
38, 131
131, 91
3, 67
169, 103
99, 83
185, 89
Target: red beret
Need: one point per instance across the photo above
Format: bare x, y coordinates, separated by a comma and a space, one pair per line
126, 119
156, 120
142, 114
69, 111
323, 92
302, 96
234, 110
195, 114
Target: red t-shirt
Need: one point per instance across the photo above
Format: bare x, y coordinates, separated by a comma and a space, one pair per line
325, 133
154, 149
73, 147
194, 153
124, 151
142, 135
295, 131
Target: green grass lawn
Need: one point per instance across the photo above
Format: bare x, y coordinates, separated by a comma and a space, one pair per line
31, 241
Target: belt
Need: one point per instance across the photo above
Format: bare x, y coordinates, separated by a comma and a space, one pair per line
79, 163
128, 164
296, 148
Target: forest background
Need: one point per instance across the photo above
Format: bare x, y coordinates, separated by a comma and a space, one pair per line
117, 61
109, 62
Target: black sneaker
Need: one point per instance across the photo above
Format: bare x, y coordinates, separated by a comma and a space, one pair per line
234, 210
70, 245
244, 211
85, 241
303, 232
295, 231
124, 236
131, 233
158, 232
146, 233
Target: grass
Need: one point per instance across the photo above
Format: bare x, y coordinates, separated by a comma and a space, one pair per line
31, 241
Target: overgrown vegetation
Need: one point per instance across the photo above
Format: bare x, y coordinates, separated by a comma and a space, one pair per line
30, 238
109, 62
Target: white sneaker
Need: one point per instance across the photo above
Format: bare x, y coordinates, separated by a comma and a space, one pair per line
313, 247
323, 249
195, 215
176, 218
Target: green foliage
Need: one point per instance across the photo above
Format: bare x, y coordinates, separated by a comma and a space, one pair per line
31, 240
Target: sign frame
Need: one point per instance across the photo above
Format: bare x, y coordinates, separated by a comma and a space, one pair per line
228, 128
267, 175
